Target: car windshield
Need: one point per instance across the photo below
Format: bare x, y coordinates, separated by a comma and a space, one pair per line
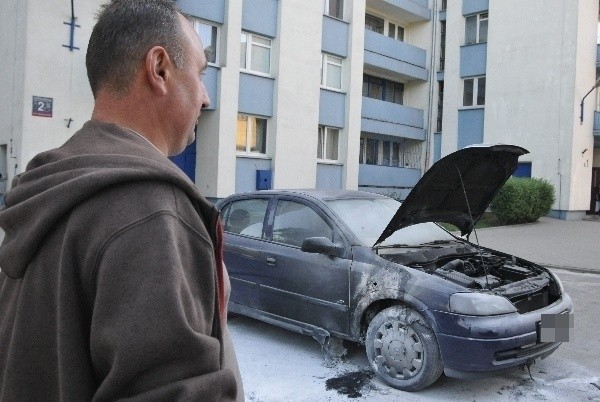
368, 217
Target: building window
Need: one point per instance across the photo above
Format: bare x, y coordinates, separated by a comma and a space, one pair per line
476, 27
442, 45
328, 144
374, 23
440, 109
474, 91
395, 31
251, 135
209, 34
397, 152
385, 90
331, 72
334, 8
255, 53
384, 27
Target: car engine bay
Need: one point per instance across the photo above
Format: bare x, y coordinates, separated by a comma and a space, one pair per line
526, 285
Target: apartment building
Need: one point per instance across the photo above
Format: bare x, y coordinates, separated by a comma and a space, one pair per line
351, 94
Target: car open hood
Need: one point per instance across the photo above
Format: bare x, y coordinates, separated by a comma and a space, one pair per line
479, 171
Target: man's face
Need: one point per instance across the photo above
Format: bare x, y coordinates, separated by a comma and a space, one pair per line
189, 95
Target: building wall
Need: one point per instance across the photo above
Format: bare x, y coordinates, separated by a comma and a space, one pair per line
13, 24
538, 63
39, 65
54, 71
537, 66
294, 138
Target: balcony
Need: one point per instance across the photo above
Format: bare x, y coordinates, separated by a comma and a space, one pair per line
392, 119
406, 10
390, 56
381, 179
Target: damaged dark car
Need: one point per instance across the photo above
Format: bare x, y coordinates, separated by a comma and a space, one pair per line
362, 267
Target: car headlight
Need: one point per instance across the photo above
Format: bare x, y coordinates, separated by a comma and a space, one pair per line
480, 304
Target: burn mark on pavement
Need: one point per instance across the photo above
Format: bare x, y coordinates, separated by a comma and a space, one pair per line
350, 384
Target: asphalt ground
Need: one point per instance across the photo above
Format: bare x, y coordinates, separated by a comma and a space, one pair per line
554, 243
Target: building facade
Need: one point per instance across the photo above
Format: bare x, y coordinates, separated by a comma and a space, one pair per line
361, 94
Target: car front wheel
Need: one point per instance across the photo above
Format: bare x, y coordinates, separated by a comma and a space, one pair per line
402, 349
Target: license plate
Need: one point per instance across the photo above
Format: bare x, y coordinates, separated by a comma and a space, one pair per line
554, 328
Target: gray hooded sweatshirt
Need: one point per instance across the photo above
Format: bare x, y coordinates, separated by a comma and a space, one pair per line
110, 286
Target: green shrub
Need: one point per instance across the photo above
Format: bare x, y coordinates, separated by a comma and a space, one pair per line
523, 200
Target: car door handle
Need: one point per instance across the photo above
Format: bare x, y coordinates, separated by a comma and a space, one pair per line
271, 261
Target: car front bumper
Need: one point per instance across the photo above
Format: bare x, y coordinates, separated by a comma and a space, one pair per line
473, 344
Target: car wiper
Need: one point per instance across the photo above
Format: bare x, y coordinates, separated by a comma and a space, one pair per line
424, 245
442, 242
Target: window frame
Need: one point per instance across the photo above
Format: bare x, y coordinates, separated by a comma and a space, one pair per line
399, 153
273, 218
399, 28
246, 63
198, 21
250, 124
370, 81
324, 71
479, 19
324, 141
475, 95
226, 215
327, 8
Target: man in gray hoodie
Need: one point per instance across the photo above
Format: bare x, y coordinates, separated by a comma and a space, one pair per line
112, 282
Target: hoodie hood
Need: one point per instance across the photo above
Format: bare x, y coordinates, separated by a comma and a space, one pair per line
458, 188
56, 181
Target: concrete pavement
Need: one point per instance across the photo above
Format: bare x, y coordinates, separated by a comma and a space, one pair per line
554, 243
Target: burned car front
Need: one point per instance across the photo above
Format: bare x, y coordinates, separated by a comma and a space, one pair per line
464, 309
493, 317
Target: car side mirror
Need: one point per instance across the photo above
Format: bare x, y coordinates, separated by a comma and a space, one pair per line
322, 245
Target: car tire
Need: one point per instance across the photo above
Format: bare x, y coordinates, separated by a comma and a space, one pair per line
402, 349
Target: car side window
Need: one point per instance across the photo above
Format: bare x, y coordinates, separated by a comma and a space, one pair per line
295, 222
246, 217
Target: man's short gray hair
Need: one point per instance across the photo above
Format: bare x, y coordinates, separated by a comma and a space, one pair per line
123, 34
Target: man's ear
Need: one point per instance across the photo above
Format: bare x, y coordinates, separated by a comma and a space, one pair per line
158, 67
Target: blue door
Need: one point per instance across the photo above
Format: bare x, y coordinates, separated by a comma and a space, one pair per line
187, 161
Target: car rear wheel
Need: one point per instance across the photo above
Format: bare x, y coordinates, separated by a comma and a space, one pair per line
402, 349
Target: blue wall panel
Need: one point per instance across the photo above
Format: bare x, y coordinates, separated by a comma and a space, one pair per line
393, 56
260, 16
329, 177
245, 172
211, 10
470, 127
186, 161
332, 108
475, 6
335, 36
386, 176
437, 147
523, 170
473, 60
418, 8
256, 95
211, 83
391, 112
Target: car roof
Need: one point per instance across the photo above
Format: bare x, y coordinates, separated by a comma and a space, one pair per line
321, 195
